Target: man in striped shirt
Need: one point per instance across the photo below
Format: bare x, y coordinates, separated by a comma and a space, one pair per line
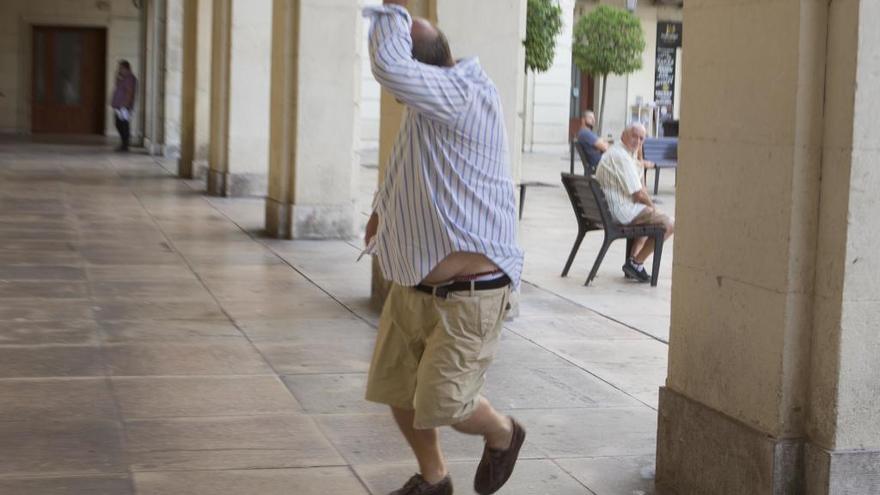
619, 174
444, 230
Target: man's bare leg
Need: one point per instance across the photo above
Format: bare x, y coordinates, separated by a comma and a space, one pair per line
425, 444
496, 428
644, 251
637, 246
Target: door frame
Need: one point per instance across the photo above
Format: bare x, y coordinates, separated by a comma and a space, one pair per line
100, 108
26, 57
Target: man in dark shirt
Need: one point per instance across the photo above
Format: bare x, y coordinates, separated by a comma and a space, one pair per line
590, 142
123, 102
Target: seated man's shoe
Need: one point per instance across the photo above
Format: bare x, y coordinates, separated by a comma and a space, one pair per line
418, 486
496, 466
631, 271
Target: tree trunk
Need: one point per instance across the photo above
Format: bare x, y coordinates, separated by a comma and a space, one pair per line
602, 105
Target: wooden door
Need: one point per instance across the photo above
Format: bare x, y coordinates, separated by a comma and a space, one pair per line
582, 99
68, 91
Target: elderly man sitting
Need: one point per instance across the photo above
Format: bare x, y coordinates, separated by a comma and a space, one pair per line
619, 174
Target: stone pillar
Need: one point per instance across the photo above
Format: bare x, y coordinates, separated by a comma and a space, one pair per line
153, 80
241, 47
843, 426
221, 40
315, 86
773, 341
174, 32
189, 10
202, 121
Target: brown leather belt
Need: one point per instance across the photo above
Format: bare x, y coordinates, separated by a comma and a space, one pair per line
443, 290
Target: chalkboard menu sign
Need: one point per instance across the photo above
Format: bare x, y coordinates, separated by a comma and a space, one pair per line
668, 40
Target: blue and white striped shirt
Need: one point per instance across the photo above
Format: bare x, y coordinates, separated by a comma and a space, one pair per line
448, 186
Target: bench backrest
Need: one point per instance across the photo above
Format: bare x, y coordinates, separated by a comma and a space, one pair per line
587, 200
588, 170
661, 149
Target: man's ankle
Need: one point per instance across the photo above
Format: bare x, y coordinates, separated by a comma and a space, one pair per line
435, 476
501, 439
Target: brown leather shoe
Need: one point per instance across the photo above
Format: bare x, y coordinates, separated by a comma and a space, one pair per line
418, 486
496, 466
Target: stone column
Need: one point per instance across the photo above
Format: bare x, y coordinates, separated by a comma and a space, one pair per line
773, 341
239, 157
174, 32
189, 11
202, 124
314, 111
843, 425
153, 80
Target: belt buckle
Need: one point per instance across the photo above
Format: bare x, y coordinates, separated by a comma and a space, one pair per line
441, 291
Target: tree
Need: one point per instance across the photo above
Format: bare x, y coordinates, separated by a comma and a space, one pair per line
543, 23
608, 41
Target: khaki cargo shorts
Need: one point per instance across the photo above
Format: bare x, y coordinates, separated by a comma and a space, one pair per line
432, 353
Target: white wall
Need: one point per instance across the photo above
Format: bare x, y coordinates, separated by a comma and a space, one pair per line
370, 92
17, 17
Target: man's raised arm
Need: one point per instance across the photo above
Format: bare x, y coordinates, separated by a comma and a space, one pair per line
435, 91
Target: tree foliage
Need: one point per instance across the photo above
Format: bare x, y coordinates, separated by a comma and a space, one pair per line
608, 41
543, 24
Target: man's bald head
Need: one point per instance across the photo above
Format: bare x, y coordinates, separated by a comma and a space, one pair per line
429, 44
633, 137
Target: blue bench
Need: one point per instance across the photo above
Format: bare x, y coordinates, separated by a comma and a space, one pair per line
664, 153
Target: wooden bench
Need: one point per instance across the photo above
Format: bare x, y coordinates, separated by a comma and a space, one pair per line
664, 153
592, 213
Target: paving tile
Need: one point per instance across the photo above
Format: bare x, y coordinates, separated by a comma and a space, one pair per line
184, 359
319, 357
36, 309
151, 289
135, 309
300, 481
305, 330
556, 388
286, 306
531, 477
82, 332
332, 393
143, 397
50, 361
42, 272
637, 367
130, 273
42, 289
90, 485
169, 331
613, 475
258, 442
583, 327
520, 353
54, 399
61, 447
559, 433
375, 439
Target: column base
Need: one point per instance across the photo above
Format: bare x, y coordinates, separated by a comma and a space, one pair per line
236, 185
700, 450
153, 148
841, 472
292, 221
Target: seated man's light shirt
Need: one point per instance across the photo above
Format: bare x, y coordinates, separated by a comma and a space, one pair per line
448, 187
618, 174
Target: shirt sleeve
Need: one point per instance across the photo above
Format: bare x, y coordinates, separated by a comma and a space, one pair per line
434, 91
629, 174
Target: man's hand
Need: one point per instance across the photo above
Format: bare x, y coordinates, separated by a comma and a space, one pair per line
648, 164
372, 227
643, 197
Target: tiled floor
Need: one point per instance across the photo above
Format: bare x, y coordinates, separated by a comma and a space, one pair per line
151, 342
